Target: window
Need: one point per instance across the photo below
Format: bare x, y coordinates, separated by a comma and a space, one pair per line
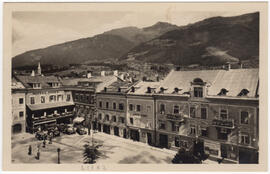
59, 97
68, 97
162, 108
148, 108
192, 130
114, 118
99, 116
42, 99
223, 134
138, 108
121, 106
198, 92
131, 120
223, 114
122, 119
52, 97
175, 126
192, 112
131, 107
162, 126
204, 132
107, 105
21, 114
107, 117
114, 105
203, 113
245, 139
100, 104
176, 109
20, 100
244, 117
32, 100
177, 142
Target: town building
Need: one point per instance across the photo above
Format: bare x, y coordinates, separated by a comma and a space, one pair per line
112, 109
84, 94
18, 107
141, 112
46, 101
214, 110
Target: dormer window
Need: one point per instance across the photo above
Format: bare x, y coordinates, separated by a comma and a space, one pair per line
36, 85
243, 92
148, 90
161, 90
198, 81
198, 92
176, 90
132, 89
223, 91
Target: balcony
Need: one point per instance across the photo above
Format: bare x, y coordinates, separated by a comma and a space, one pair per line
52, 116
223, 123
177, 117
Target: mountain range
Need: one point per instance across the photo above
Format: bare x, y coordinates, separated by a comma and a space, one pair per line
212, 41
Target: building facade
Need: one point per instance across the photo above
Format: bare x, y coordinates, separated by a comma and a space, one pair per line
216, 111
18, 107
141, 112
46, 101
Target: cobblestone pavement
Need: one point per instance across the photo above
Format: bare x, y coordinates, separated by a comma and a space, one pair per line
114, 150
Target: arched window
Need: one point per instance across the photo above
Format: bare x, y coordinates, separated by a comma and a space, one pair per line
198, 80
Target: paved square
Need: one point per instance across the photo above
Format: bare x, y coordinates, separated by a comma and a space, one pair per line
114, 150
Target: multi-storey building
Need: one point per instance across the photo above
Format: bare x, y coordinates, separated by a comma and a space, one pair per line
18, 107
216, 110
84, 95
47, 102
112, 109
141, 112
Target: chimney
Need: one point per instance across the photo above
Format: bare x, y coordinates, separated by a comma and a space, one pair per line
33, 73
102, 73
115, 72
89, 75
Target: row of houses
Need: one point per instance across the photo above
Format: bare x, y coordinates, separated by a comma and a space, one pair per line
216, 110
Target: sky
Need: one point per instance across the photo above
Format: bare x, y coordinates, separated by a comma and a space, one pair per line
39, 29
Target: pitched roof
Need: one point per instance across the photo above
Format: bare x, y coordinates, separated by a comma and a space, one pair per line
102, 81
16, 84
142, 86
43, 80
233, 80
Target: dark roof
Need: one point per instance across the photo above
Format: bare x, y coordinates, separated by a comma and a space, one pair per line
43, 80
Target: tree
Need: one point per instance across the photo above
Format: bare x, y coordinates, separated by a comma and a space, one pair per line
91, 153
185, 157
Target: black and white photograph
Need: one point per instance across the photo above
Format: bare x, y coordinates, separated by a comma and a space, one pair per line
135, 83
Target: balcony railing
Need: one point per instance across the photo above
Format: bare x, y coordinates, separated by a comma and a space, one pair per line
223, 123
52, 116
178, 117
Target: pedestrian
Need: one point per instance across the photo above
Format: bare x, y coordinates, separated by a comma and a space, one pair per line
30, 150
38, 153
44, 143
50, 139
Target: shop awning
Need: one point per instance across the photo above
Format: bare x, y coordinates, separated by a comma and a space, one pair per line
78, 120
42, 106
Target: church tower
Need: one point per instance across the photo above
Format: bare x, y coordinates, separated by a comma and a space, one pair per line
39, 69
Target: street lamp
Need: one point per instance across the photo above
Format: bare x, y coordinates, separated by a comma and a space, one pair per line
58, 151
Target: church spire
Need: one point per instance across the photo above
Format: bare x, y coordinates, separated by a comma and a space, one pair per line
39, 69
